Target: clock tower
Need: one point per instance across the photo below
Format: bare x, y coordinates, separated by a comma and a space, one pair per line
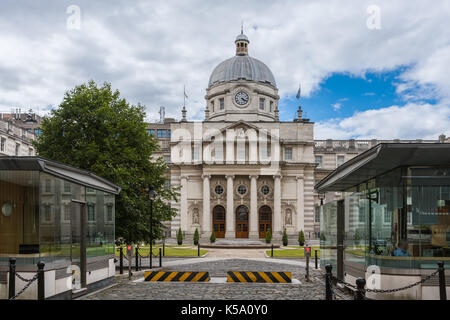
242, 88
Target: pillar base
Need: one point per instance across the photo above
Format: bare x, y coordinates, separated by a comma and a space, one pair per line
230, 235
253, 235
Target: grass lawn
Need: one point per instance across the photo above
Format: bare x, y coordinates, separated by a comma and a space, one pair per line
292, 253
170, 251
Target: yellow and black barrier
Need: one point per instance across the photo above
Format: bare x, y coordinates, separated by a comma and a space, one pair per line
259, 276
176, 276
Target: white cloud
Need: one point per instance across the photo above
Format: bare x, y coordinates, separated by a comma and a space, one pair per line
336, 106
150, 49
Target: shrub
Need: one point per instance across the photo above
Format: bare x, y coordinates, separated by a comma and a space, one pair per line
179, 236
285, 238
301, 238
268, 236
196, 236
213, 237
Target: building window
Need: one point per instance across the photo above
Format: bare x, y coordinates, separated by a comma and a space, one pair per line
90, 190
265, 190
242, 190
271, 106
340, 160
66, 187
287, 153
162, 133
261, 103
212, 105
30, 151
48, 185
168, 133
218, 189
37, 132
17, 148
387, 216
67, 214
151, 132
2, 144
317, 214
222, 103
167, 158
47, 213
109, 212
318, 160
91, 212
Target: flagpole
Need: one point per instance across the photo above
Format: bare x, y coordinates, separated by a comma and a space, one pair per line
184, 96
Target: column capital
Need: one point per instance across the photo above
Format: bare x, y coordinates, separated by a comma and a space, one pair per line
184, 176
253, 176
300, 177
277, 176
206, 176
229, 176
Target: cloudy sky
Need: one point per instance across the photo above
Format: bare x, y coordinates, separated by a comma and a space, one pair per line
368, 69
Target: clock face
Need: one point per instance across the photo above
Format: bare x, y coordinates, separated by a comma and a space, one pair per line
241, 98
6, 209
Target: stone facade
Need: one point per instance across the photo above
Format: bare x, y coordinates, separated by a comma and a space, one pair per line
15, 140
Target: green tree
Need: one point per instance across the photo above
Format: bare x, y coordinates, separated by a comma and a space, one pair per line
268, 236
196, 236
97, 130
179, 236
213, 237
285, 238
301, 238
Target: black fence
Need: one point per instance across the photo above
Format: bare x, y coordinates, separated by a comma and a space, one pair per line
39, 276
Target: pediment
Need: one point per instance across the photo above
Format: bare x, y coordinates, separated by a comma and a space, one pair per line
244, 126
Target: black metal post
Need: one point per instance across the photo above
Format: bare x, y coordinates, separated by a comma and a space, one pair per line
315, 258
121, 260
137, 258
442, 292
328, 293
198, 248
271, 254
41, 280
360, 293
151, 232
164, 247
12, 277
307, 268
160, 257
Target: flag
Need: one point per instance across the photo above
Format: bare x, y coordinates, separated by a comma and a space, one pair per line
298, 93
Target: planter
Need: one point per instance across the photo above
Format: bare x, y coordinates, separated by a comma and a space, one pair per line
180, 242
285, 243
301, 244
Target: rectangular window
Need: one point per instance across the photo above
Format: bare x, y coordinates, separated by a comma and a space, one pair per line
287, 153
261, 103
168, 133
2, 144
48, 185
91, 212
37, 132
90, 190
317, 214
109, 212
318, 160
30, 151
212, 106
222, 103
340, 160
166, 158
162, 133
17, 148
67, 212
66, 187
271, 106
151, 132
387, 216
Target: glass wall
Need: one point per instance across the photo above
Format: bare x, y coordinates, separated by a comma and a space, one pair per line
100, 211
328, 235
19, 216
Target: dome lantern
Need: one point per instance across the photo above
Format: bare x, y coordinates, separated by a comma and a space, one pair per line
241, 44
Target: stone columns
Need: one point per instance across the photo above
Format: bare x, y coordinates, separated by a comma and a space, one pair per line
253, 230
230, 218
300, 204
277, 208
206, 223
183, 204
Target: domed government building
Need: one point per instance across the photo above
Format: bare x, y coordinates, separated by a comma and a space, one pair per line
242, 171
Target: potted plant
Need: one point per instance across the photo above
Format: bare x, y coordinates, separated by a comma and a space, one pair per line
213, 237
196, 236
268, 236
180, 237
301, 238
285, 238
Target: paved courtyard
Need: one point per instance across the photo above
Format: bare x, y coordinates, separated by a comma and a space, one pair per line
217, 263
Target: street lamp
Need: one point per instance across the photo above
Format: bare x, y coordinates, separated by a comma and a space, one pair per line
321, 197
151, 193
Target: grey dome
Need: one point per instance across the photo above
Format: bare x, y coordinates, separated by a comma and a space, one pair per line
241, 67
242, 37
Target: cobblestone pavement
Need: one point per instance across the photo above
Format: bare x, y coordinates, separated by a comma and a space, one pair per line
217, 267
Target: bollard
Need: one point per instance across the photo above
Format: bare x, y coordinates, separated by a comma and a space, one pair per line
442, 292
41, 280
360, 293
315, 258
160, 257
137, 258
121, 260
198, 248
272, 251
12, 277
164, 248
328, 293
307, 268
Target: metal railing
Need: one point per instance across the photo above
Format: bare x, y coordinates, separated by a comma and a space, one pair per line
360, 290
39, 276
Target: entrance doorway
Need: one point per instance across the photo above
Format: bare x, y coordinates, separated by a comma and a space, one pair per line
219, 221
242, 222
265, 221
